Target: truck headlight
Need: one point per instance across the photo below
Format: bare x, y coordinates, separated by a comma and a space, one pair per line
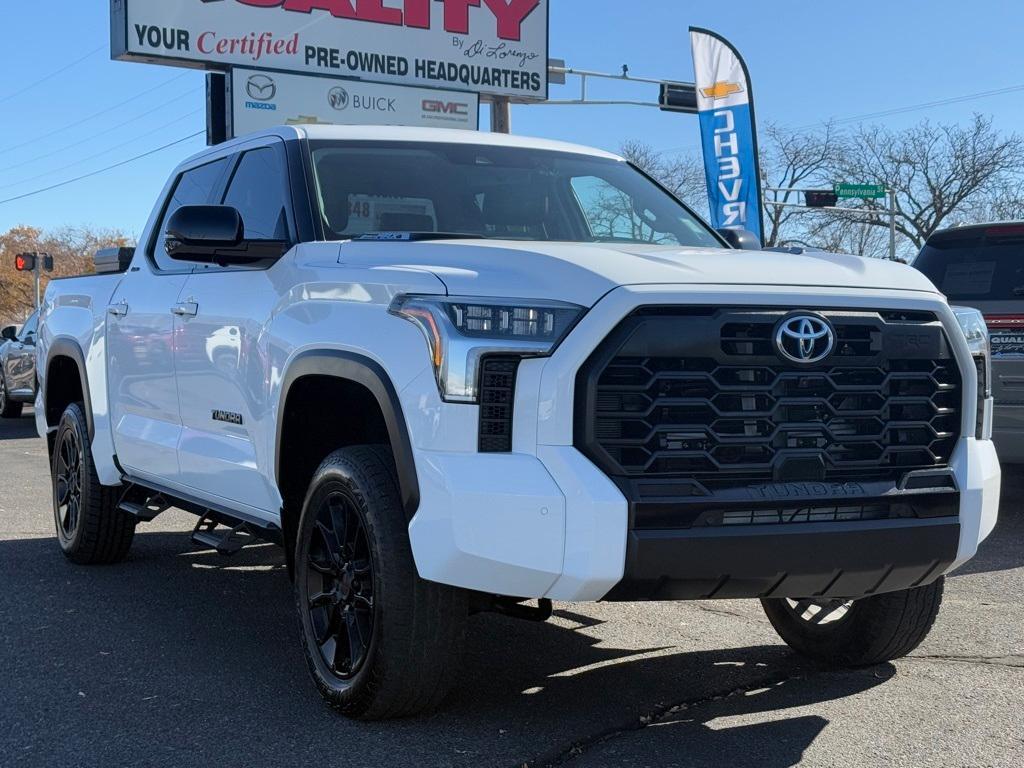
460, 331
972, 323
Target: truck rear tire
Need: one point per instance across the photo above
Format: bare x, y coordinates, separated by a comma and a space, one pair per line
90, 527
380, 642
857, 633
8, 408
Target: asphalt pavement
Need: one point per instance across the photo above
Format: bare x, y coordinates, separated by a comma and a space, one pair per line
182, 657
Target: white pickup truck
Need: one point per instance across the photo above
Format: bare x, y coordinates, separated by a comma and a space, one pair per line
453, 372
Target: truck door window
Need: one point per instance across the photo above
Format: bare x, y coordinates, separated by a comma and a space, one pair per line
613, 215
194, 187
257, 190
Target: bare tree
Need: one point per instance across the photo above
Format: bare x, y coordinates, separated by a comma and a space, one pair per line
790, 161
72, 249
939, 172
1004, 203
682, 175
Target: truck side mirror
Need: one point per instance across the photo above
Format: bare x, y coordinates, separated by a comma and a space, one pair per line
9, 333
214, 234
742, 239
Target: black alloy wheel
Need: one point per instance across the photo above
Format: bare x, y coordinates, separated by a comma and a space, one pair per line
8, 408
856, 633
379, 641
339, 585
91, 527
819, 612
67, 490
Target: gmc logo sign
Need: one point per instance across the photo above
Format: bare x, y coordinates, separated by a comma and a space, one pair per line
446, 107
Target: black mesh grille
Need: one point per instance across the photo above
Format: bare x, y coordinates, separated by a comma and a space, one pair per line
497, 396
704, 396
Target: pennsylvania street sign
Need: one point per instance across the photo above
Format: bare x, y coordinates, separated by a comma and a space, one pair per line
868, 191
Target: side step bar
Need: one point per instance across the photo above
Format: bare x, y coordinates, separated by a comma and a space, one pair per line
147, 509
225, 537
220, 528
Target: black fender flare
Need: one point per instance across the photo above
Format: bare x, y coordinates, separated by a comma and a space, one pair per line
362, 370
65, 346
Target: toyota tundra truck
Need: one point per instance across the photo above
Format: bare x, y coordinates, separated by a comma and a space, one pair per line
453, 372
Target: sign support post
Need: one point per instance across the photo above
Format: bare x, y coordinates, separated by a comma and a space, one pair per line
892, 225
501, 114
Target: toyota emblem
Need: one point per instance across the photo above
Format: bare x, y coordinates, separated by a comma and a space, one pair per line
805, 338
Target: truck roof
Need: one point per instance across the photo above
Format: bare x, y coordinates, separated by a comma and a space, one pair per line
412, 135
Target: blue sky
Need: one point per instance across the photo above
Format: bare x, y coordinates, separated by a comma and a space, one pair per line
809, 60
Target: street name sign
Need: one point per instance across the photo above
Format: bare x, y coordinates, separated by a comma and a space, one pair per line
866, 191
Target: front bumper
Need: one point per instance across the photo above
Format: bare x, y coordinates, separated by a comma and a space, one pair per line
544, 521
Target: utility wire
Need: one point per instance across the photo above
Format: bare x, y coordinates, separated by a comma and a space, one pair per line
890, 112
93, 116
92, 137
52, 75
107, 151
924, 105
102, 170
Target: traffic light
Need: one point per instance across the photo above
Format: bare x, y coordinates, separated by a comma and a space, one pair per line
820, 198
25, 262
47, 262
678, 97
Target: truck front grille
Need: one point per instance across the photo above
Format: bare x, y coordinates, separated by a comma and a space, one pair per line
700, 393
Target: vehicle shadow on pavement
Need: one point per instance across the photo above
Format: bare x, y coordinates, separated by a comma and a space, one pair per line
22, 428
193, 658
719, 732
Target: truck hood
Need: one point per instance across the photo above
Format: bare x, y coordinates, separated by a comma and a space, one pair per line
584, 272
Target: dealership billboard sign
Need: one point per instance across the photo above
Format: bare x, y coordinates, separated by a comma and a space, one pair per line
493, 47
260, 99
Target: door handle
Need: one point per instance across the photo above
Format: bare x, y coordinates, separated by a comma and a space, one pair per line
185, 309
118, 310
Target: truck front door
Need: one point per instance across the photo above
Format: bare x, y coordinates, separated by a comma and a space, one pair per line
222, 364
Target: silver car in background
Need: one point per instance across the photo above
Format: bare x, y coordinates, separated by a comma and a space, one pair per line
982, 266
18, 367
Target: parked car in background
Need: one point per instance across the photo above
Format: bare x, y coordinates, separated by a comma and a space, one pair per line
982, 266
18, 367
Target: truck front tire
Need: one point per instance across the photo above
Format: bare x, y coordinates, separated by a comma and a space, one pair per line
857, 633
90, 527
379, 641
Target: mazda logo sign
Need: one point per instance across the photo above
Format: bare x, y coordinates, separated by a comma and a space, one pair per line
261, 88
805, 338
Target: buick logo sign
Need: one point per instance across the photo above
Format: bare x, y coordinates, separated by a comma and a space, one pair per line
261, 88
805, 338
337, 97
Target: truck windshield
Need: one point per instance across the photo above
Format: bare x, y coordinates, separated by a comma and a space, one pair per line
495, 192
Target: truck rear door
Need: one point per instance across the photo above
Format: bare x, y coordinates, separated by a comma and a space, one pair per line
143, 336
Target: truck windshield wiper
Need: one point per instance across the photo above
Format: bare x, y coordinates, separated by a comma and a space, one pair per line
404, 237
